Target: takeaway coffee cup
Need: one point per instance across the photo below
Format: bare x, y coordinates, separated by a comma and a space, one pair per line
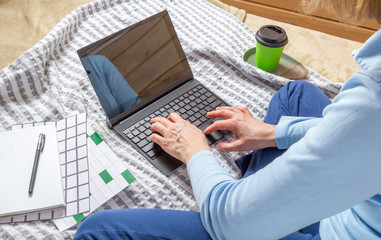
271, 40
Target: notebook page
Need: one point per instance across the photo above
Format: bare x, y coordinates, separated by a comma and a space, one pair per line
17, 151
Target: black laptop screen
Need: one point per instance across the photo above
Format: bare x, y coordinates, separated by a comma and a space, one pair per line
134, 66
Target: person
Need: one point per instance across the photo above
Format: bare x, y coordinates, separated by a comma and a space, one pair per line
314, 172
113, 91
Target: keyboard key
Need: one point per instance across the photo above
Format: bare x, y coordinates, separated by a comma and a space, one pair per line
142, 128
130, 135
211, 99
215, 104
162, 110
197, 123
181, 104
203, 119
142, 143
135, 132
203, 112
190, 112
147, 132
135, 139
148, 147
208, 108
192, 119
151, 154
154, 151
185, 115
202, 90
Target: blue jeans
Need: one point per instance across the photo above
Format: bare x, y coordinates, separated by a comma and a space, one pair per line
295, 99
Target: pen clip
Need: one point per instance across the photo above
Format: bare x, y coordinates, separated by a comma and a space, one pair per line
41, 142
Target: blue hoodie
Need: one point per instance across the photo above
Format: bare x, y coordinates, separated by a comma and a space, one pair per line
331, 171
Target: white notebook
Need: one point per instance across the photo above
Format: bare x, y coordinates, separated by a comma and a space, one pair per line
17, 152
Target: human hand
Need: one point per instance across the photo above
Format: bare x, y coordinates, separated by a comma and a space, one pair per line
178, 137
250, 133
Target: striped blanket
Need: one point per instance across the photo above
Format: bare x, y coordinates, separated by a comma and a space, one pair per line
48, 83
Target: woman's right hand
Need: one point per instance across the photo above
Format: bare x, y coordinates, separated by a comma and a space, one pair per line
250, 133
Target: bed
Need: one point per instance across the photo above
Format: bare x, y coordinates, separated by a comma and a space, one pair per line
47, 83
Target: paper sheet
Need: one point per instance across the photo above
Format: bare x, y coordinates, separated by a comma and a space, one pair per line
108, 176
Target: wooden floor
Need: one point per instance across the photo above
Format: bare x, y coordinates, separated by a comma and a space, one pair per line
290, 11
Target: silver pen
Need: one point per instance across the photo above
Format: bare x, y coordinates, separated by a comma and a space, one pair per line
39, 148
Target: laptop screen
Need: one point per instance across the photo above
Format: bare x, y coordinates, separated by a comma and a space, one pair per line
133, 67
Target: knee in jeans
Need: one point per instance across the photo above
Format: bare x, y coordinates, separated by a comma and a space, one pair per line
91, 223
296, 88
299, 85
302, 84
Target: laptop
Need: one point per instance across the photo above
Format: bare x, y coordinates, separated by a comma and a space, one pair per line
142, 72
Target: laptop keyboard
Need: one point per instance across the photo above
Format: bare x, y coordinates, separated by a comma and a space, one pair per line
192, 106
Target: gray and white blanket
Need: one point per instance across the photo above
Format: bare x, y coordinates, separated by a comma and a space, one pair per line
48, 83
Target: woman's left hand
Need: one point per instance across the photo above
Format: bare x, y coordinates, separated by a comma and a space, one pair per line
178, 137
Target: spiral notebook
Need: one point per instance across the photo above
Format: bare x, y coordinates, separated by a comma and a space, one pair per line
17, 151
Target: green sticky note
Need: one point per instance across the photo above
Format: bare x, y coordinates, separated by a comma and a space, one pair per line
96, 138
106, 177
127, 175
78, 217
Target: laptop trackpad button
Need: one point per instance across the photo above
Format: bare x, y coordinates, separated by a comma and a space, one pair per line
215, 136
